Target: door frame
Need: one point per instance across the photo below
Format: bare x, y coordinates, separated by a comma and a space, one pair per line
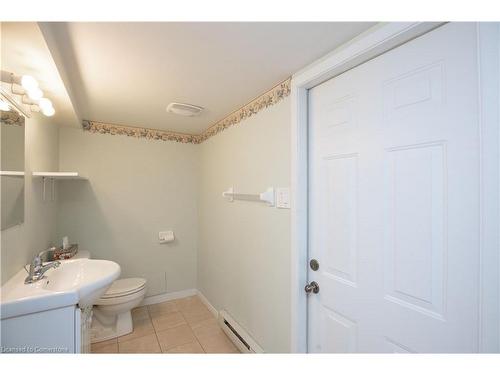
374, 42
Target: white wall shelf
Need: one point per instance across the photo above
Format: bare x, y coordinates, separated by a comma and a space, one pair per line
12, 173
60, 175
53, 177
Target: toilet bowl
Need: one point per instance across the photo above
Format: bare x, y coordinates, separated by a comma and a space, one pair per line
112, 312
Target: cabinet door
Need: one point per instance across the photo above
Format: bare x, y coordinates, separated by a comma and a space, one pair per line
50, 331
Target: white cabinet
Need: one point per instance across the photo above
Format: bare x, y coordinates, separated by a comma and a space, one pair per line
62, 330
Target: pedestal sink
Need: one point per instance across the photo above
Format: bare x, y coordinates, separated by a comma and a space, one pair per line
89, 277
75, 282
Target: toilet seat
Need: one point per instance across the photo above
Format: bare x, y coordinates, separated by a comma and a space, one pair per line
120, 289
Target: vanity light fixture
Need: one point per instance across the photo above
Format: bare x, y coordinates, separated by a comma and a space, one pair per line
32, 95
43, 105
35, 94
49, 112
46, 107
27, 82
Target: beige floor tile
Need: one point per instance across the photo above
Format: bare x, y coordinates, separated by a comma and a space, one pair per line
192, 347
106, 349
179, 326
108, 346
206, 327
145, 344
190, 304
140, 313
141, 328
162, 308
103, 343
166, 321
212, 320
170, 338
217, 343
197, 315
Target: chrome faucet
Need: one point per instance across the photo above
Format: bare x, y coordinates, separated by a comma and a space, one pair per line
37, 269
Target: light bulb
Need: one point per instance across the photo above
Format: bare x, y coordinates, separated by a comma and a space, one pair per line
35, 94
4, 106
48, 111
44, 103
29, 83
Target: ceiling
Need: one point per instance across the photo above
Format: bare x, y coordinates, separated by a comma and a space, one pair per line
127, 73
24, 51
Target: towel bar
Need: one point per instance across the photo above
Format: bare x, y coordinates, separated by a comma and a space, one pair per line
267, 196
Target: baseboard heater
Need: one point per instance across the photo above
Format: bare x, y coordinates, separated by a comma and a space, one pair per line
237, 334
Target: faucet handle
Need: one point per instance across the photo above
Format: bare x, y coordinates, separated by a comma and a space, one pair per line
36, 263
42, 253
37, 260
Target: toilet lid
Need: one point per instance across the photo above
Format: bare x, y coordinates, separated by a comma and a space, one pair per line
124, 286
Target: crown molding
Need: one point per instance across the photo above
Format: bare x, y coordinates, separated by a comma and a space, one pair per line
266, 100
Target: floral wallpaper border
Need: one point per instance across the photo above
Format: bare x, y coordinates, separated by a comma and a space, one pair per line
131, 131
11, 118
271, 97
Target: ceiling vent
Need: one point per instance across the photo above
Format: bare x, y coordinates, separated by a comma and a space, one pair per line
184, 109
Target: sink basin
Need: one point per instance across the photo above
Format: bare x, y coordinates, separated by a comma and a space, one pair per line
90, 277
75, 282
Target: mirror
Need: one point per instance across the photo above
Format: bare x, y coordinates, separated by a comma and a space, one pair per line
12, 168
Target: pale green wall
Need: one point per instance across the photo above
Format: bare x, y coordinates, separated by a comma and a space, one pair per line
136, 188
244, 247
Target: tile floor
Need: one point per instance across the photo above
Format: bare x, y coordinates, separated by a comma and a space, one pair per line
179, 326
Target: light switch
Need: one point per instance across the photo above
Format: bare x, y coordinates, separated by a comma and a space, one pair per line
282, 198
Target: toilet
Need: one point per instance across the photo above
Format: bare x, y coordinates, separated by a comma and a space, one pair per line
112, 312
112, 315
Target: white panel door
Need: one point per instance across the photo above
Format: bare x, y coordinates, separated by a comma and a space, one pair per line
393, 204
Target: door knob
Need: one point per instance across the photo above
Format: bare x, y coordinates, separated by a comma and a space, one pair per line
312, 287
314, 264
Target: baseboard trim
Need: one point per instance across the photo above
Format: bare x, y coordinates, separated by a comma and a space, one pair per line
151, 300
209, 306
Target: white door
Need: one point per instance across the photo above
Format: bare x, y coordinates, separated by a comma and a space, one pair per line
393, 184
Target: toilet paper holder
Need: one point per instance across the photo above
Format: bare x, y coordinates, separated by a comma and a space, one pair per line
166, 236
